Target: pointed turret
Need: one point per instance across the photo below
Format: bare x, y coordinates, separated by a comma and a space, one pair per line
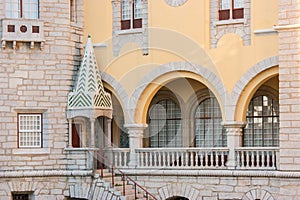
89, 99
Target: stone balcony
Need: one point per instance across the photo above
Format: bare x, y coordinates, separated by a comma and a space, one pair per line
22, 30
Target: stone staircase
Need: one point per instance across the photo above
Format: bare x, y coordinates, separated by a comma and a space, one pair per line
104, 190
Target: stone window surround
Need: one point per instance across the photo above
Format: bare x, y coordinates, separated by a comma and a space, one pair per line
219, 28
175, 3
122, 37
31, 151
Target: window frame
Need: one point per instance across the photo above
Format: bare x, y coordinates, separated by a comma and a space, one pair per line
213, 118
132, 22
20, 12
274, 141
167, 140
40, 130
29, 195
231, 12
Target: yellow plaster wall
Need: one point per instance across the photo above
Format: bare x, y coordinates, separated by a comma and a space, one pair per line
182, 34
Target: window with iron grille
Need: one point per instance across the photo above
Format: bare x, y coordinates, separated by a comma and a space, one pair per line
29, 130
165, 124
22, 196
231, 9
131, 14
262, 123
208, 128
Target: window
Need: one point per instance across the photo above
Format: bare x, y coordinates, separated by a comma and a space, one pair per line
73, 10
165, 124
231, 9
131, 14
76, 133
262, 123
29, 130
22, 196
27, 9
208, 129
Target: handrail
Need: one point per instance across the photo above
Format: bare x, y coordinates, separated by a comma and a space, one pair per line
124, 176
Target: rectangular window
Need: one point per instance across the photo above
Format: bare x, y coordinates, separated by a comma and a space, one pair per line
28, 9
131, 14
73, 10
22, 196
231, 9
30, 130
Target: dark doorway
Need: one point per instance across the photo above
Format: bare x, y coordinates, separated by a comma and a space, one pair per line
177, 198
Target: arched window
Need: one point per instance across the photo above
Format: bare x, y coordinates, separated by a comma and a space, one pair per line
262, 122
208, 129
165, 124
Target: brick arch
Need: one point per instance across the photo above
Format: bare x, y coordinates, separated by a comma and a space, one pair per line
254, 71
215, 83
184, 190
238, 31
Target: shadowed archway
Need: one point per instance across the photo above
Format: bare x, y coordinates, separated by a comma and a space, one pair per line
177, 198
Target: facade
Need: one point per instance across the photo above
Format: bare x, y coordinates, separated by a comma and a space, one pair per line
191, 99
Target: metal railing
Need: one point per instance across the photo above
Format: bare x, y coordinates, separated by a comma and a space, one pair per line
104, 163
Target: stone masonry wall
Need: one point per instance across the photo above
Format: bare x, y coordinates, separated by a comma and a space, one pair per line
289, 83
221, 188
35, 80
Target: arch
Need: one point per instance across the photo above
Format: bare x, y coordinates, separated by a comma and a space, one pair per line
177, 198
246, 87
258, 193
116, 88
183, 190
163, 74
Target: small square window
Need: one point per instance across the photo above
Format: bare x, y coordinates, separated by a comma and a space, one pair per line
11, 28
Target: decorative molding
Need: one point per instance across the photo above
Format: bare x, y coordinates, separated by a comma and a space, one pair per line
287, 27
175, 3
44, 173
265, 31
213, 173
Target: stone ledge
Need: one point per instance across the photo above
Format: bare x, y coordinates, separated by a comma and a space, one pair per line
45, 173
221, 173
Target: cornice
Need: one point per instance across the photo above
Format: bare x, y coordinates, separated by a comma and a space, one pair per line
44, 173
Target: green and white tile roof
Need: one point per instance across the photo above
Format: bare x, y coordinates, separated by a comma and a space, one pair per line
89, 92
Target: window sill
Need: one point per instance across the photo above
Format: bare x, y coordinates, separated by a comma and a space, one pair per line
81, 149
230, 22
130, 31
33, 151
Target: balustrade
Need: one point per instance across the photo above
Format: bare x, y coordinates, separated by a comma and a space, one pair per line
213, 158
257, 158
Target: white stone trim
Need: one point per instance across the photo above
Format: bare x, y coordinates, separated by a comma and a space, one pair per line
221, 173
45, 173
287, 27
179, 189
265, 31
175, 3
258, 193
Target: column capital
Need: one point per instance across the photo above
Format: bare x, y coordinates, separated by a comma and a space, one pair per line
135, 128
234, 124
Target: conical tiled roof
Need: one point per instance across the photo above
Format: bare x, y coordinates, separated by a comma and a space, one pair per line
89, 92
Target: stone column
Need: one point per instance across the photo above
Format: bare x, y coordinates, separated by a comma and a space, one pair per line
92, 135
108, 131
234, 131
135, 134
70, 133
